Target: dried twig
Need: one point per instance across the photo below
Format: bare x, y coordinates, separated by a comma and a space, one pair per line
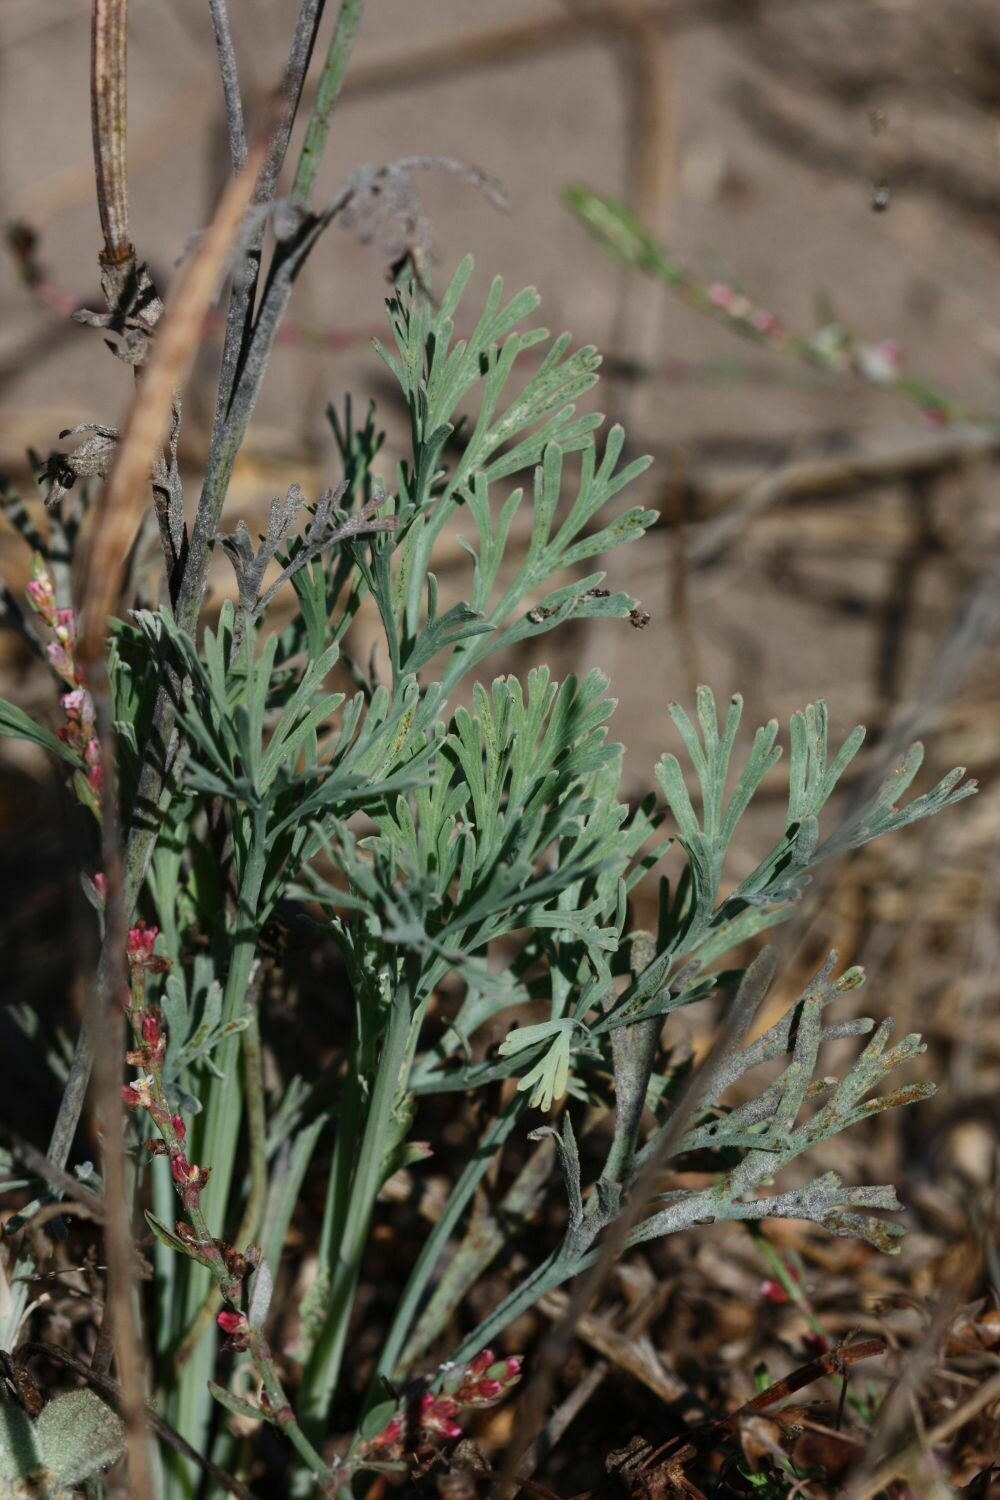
108, 121
124, 496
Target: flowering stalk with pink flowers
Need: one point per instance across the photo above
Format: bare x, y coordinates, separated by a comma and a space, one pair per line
228, 1266
79, 733
833, 347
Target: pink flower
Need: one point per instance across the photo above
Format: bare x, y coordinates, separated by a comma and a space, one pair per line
152, 1032
484, 1380
186, 1172
61, 661
391, 1434
190, 1178
438, 1413
763, 321
78, 705
235, 1325
721, 295
101, 885
41, 596
138, 1094
773, 1291
65, 627
41, 590
180, 1129
140, 944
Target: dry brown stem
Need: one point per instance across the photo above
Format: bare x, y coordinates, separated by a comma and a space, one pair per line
126, 492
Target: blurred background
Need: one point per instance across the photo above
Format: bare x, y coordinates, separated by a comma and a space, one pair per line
829, 500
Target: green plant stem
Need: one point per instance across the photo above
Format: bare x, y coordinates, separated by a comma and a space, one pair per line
553, 1271
434, 1246
257, 1134
260, 1354
323, 1369
797, 1295
488, 1233
214, 1265
611, 223
284, 1416
564, 1263
138, 852
327, 93
222, 1113
634, 1052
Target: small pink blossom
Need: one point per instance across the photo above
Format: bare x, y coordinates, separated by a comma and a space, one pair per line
41, 592
484, 1380
65, 626
140, 944
390, 1435
188, 1172
764, 322
138, 1094
180, 1129
101, 885
721, 295
438, 1413
190, 1178
73, 702
235, 1325
773, 1291
61, 660
152, 1032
